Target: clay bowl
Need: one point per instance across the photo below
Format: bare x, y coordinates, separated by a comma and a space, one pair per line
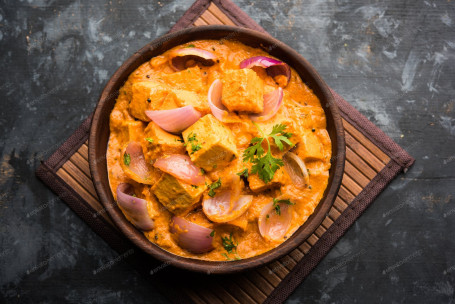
99, 135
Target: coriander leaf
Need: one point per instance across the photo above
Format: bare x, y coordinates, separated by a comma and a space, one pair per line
212, 234
213, 186
190, 46
266, 165
277, 202
149, 139
228, 243
244, 173
126, 159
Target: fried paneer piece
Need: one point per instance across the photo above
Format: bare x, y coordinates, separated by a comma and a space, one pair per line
209, 143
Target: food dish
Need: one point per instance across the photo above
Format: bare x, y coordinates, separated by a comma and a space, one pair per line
99, 135
217, 151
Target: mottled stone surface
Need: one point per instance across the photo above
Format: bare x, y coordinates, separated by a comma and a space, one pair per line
393, 60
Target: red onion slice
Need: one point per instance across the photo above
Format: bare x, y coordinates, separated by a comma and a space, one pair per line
134, 164
273, 226
181, 167
135, 208
216, 106
272, 66
272, 103
214, 98
174, 120
296, 169
190, 236
220, 209
179, 58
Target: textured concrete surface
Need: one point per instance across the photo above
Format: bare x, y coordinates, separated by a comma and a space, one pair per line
393, 60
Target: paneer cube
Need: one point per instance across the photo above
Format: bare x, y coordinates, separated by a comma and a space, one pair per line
135, 130
178, 197
311, 117
310, 147
240, 222
243, 91
185, 98
209, 143
189, 79
279, 179
147, 95
163, 143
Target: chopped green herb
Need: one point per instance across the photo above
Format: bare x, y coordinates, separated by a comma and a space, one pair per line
190, 46
126, 159
213, 186
264, 164
202, 171
244, 173
150, 140
236, 257
212, 234
229, 244
215, 166
195, 146
194, 186
267, 216
276, 204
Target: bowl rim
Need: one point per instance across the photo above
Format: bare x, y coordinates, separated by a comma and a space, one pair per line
204, 266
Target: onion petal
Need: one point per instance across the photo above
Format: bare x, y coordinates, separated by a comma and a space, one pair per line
219, 208
190, 236
134, 164
179, 58
296, 169
181, 167
273, 226
174, 120
135, 208
272, 66
272, 103
216, 106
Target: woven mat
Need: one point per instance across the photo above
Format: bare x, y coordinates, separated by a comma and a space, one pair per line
372, 161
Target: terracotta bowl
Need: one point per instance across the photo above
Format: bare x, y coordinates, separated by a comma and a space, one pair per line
99, 136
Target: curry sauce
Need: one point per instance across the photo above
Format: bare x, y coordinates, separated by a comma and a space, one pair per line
225, 152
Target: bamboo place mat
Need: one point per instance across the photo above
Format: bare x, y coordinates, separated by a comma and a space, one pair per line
372, 161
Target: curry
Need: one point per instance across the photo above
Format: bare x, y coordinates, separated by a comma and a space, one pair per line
217, 150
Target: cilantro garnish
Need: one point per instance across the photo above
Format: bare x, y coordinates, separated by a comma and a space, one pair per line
244, 173
126, 159
190, 46
228, 243
277, 207
212, 234
150, 140
195, 146
213, 186
264, 164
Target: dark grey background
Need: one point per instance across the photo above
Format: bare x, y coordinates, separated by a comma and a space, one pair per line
393, 60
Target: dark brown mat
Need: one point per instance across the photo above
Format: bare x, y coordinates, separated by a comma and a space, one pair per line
372, 161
